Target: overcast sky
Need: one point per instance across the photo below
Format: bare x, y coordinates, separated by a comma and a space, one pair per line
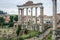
10, 6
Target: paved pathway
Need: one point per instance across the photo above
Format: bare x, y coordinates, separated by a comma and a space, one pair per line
41, 36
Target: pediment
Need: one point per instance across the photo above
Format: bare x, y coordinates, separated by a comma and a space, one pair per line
28, 3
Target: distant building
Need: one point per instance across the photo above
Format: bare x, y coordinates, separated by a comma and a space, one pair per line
5, 16
2, 13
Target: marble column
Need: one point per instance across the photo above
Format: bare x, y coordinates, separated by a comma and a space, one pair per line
41, 19
54, 18
19, 16
27, 17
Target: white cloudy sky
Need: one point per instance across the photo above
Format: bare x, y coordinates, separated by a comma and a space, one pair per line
10, 6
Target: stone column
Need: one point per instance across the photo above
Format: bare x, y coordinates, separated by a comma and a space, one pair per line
27, 17
31, 17
19, 16
31, 13
36, 14
54, 18
36, 19
22, 16
41, 19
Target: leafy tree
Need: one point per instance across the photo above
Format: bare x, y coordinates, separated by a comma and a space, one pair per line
11, 24
1, 21
11, 18
26, 31
16, 18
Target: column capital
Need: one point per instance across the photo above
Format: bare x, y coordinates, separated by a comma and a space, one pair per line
36, 7
31, 7
20, 8
41, 7
26, 8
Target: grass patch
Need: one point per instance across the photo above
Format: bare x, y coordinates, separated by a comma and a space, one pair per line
30, 34
3, 38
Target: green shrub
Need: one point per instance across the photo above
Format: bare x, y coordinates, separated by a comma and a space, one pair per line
3, 38
11, 24
26, 31
11, 18
20, 39
5, 23
16, 18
